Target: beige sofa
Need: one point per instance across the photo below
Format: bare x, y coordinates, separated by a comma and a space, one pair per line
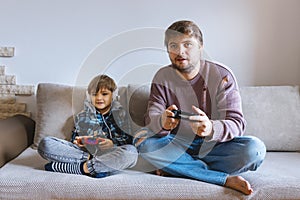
272, 113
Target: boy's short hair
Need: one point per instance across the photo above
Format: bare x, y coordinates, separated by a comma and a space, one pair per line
101, 81
183, 27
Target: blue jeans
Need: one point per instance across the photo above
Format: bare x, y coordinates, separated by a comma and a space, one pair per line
204, 161
57, 150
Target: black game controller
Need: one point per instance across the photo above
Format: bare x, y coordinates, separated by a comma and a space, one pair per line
179, 114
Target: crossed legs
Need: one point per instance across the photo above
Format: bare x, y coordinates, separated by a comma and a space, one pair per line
219, 166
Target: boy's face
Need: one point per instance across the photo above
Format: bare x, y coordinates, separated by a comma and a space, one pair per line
102, 100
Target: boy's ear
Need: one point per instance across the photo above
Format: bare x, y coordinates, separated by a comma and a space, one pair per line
87, 95
116, 95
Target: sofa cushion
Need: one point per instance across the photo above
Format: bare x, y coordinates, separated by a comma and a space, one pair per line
24, 178
273, 115
137, 97
56, 105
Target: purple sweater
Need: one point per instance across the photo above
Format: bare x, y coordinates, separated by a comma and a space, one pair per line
214, 90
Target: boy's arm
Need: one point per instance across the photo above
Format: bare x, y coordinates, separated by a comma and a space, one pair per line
75, 131
120, 125
74, 134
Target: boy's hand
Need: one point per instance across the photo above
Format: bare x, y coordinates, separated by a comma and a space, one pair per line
82, 141
103, 144
106, 144
78, 141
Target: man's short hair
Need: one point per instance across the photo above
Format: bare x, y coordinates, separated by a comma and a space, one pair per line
183, 27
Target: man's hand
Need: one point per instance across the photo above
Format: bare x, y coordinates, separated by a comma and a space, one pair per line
201, 125
169, 123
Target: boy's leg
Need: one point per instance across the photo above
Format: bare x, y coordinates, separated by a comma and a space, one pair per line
120, 158
236, 156
57, 150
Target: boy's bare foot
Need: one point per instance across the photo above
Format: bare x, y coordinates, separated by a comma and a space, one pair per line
239, 183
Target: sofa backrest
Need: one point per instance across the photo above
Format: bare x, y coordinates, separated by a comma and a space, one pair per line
55, 108
272, 113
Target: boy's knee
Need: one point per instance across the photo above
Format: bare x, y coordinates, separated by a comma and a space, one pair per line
129, 155
129, 148
45, 144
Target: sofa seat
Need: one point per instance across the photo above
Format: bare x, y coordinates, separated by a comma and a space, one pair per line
25, 178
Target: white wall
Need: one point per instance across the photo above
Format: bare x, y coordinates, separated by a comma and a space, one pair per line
68, 41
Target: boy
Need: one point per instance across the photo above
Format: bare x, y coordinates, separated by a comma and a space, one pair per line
100, 143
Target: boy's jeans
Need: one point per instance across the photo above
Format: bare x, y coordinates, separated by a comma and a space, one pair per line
211, 164
57, 150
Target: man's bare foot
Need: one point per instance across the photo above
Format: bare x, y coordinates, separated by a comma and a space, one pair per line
141, 137
239, 183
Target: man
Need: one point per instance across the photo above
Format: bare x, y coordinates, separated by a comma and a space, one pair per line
208, 145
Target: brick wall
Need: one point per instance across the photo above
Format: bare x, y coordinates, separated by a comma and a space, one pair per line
10, 90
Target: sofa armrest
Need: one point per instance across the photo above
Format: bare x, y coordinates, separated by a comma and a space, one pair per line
16, 134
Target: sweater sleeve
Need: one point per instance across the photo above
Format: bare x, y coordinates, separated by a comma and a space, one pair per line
231, 122
156, 106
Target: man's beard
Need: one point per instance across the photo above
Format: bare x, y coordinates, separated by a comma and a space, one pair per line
184, 70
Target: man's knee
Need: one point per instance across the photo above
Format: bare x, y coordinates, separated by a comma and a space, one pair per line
153, 144
254, 151
146, 145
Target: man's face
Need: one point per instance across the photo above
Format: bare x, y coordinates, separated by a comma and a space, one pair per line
184, 52
102, 100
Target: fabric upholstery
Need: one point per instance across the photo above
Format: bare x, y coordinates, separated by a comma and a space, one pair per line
273, 115
16, 133
24, 178
137, 97
56, 105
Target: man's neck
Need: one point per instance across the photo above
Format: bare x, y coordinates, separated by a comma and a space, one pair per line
189, 75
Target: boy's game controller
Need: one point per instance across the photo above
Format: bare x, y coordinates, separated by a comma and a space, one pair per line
91, 140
